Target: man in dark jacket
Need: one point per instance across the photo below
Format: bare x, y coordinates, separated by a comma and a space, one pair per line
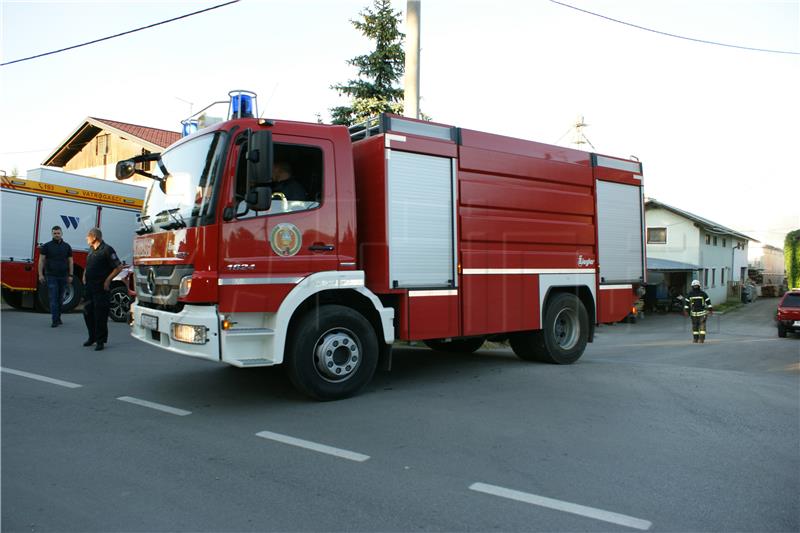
698, 305
55, 267
284, 183
102, 264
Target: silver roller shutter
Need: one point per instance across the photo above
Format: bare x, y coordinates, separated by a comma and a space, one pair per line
420, 220
619, 220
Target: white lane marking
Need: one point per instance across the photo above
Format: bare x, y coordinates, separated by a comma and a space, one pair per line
558, 505
37, 377
156, 406
321, 448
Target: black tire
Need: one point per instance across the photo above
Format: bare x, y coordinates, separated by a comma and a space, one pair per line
781, 331
456, 345
119, 304
12, 298
332, 353
564, 334
528, 345
72, 297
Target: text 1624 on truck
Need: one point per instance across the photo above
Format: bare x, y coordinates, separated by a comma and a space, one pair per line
316, 247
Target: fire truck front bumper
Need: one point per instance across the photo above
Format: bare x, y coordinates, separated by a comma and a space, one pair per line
193, 332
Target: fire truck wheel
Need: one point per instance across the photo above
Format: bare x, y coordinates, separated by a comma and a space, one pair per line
72, 297
332, 353
528, 345
565, 330
12, 298
455, 346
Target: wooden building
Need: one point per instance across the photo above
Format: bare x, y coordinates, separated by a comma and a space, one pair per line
95, 146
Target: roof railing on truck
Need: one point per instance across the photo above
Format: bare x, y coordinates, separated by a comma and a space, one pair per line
368, 128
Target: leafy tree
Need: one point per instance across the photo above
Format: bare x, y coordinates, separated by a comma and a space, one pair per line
374, 91
791, 254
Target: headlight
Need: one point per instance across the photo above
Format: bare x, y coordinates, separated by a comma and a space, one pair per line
185, 287
190, 334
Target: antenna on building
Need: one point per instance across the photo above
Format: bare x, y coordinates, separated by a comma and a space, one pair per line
580, 138
191, 104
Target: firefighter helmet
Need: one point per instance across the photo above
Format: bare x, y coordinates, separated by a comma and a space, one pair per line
695, 283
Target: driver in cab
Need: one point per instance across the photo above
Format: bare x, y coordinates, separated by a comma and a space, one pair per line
285, 184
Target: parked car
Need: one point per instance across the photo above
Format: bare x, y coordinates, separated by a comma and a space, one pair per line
122, 295
788, 315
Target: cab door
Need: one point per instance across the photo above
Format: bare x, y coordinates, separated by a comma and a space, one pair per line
265, 254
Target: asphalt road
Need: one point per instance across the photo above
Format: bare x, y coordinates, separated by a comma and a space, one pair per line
645, 432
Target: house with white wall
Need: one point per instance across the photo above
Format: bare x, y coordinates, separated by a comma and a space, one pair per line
769, 262
714, 254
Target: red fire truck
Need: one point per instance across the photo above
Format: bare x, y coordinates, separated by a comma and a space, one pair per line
47, 198
404, 230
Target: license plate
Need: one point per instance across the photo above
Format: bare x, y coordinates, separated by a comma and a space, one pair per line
150, 322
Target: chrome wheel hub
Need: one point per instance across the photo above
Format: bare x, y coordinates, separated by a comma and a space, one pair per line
337, 355
566, 329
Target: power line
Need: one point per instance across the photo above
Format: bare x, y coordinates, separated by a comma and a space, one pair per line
674, 35
118, 34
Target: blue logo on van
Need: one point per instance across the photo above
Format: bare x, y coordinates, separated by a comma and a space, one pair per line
70, 220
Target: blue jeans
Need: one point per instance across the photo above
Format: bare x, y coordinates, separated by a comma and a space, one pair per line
55, 288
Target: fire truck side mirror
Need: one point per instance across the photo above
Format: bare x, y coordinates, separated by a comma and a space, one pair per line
259, 198
259, 157
125, 169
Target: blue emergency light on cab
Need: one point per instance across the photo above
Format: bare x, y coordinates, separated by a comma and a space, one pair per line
189, 126
243, 104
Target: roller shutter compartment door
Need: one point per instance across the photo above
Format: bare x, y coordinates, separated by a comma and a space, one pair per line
420, 220
619, 229
18, 220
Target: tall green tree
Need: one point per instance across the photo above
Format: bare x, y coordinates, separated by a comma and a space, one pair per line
791, 254
375, 90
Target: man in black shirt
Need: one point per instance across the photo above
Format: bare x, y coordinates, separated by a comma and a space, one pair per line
102, 264
284, 183
55, 267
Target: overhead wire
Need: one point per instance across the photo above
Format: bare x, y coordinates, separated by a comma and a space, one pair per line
187, 15
667, 34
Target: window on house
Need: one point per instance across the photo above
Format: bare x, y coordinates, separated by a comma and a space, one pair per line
705, 277
101, 144
146, 164
724, 242
708, 238
715, 241
656, 235
713, 277
722, 276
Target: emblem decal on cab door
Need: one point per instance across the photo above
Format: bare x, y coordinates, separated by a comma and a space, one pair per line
285, 239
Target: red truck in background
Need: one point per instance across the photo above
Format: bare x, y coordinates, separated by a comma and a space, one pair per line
407, 230
47, 198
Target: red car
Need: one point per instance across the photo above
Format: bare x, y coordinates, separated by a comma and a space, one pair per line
789, 313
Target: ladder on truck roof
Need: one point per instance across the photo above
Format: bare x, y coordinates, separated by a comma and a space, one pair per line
386, 122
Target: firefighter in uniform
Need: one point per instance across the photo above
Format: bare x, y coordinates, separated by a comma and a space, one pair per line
698, 305
102, 264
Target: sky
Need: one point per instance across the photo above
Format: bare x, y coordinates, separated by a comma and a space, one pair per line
716, 128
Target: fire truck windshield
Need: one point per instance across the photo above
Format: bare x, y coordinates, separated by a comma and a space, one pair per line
185, 196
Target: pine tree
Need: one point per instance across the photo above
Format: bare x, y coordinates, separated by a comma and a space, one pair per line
374, 91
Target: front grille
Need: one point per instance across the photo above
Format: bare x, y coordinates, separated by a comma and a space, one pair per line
161, 271
158, 284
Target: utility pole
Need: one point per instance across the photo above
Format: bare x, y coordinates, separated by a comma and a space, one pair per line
411, 104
